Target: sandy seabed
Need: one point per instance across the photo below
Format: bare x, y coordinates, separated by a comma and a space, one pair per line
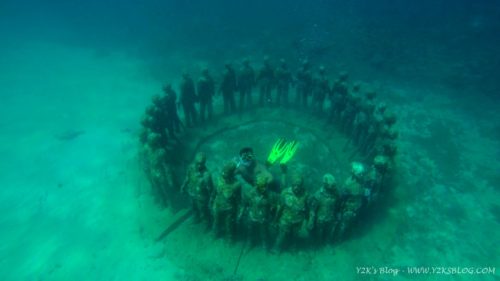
75, 205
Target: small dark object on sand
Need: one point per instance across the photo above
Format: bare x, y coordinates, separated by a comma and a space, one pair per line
70, 135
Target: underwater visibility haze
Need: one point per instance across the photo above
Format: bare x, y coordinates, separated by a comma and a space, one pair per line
250, 140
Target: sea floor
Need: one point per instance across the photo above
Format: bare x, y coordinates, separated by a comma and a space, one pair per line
75, 204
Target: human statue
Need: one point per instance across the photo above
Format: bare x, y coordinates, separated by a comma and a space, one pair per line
199, 186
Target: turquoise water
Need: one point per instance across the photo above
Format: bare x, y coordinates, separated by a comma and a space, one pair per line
76, 77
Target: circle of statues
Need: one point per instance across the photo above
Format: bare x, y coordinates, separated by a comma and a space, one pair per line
244, 200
